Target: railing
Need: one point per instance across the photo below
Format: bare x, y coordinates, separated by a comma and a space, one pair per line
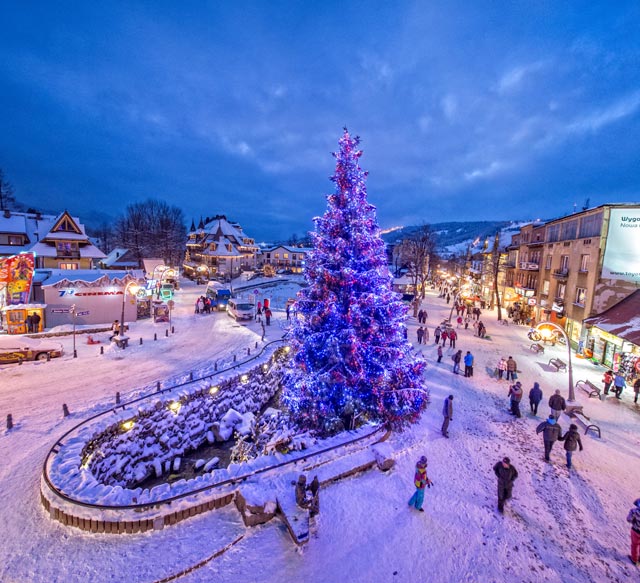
529, 266
561, 273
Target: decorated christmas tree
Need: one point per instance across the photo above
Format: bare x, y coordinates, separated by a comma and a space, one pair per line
352, 362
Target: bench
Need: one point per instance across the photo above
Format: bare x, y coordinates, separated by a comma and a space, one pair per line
585, 421
589, 387
559, 364
537, 348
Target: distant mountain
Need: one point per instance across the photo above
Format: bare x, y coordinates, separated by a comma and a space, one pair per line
455, 237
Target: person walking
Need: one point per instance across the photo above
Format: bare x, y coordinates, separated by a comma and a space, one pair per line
512, 367
557, 404
607, 379
421, 481
515, 393
506, 474
457, 358
439, 353
287, 310
634, 518
636, 388
467, 319
425, 337
535, 396
453, 336
420, 334
36, 322
447, 413
501, 367
571, 442
619, 385
436, 334
444, 336
551, 432
267, 316
468, 364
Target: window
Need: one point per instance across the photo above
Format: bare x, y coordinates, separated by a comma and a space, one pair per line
569, 230
66, 248
564, 263
553, 233
277, 255
285, 255
561, 290
584, 263
15, 240
545, 287
590, 226
581, 295
548, 263
67, 266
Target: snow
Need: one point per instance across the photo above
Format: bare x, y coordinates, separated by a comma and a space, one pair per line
560, 526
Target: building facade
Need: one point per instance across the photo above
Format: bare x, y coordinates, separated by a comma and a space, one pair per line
284, 258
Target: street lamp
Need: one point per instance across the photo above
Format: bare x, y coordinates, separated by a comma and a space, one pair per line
546, 330
135, 287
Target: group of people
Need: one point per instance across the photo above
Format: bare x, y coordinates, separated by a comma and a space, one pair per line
203, 305
619, 384
445, 333
266, 311
33, 322
310, 500
508, 368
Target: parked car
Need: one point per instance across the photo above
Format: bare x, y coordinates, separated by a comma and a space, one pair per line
17, 348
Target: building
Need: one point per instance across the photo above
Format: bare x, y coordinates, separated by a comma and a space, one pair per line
120, 259
571, 269
58, 242
284, 258
218, 248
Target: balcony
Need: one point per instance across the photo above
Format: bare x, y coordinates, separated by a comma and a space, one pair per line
67, 254
509, 264
561, 273
529, 266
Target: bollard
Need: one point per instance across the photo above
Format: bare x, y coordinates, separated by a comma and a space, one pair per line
166, 333
215, 366
117, 398
48, 357
140, 341
75, 354
9, 422
65, 410
173, 331
155, 336
191, 376
235, 358
102, 350
256, 344
158, 386
248, 351
20, 360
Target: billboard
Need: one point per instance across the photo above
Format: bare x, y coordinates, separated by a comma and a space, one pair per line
622, 254
16, 275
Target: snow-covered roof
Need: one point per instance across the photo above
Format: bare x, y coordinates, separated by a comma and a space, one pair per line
56, 276
622, 320
45, 250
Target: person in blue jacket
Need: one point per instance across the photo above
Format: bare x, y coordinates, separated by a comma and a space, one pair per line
468, 364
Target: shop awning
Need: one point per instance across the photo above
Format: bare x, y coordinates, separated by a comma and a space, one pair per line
622, 320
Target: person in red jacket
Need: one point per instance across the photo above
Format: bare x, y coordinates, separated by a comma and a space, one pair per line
421, 481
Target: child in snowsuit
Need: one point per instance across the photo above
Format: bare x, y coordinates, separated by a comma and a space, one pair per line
421, 481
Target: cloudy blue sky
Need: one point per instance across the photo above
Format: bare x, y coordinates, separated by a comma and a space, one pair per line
466, 110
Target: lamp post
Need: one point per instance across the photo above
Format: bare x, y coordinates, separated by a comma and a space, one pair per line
546, 331
134, 285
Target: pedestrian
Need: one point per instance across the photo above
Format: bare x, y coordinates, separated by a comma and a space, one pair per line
551, 432
506, 474
29, 321
420, 313
115, 328
436, 334
557, 404
571, 442
501, 367
420, 334
439, 353
287, 310
634, 518
445, 336
459, 321
268, 314
457, 358
424, 316
453, 336
607, 379
447, 413
512, 367
515, 394
421, 481
619, 385
467, 319
535, 396
36, 322
301, 492
425, 337
482, 330
200, 306
448, 298
636, 389
468, 364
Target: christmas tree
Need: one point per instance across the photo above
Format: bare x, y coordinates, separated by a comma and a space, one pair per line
352, 362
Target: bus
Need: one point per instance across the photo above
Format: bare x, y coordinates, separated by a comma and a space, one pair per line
240, 309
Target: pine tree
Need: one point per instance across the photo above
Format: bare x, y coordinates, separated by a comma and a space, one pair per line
351, 358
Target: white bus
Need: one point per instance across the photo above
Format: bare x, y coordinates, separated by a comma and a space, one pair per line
240, 309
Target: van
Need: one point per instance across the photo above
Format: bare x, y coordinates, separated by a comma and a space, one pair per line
240, 309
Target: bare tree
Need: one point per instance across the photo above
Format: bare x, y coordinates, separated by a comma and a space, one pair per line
416, 252
495, 265
7, 196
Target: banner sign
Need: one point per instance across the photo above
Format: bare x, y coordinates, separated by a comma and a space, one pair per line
17, 274
621, 257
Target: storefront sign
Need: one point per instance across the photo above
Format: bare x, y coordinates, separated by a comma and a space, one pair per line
17, 273
621, 257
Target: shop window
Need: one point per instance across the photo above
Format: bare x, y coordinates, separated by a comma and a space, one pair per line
67, 266
581, 295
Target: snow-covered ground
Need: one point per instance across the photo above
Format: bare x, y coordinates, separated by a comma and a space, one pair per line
561, 526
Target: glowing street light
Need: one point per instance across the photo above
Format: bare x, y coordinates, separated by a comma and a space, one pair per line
133, 285
547, 330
